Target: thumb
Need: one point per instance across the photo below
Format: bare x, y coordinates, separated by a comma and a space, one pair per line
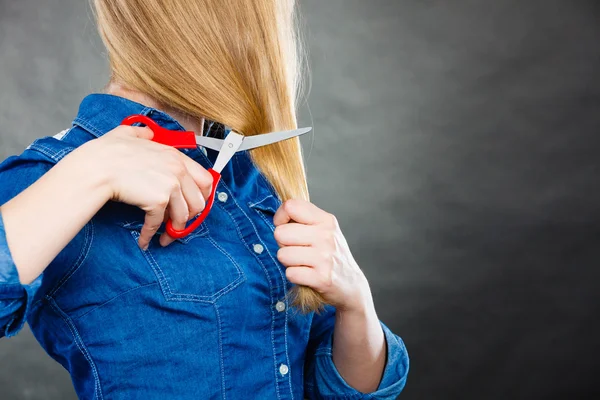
143, 132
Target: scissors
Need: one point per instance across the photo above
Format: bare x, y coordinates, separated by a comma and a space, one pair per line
227, 147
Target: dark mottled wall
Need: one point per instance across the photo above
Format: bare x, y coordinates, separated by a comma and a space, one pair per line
456, 142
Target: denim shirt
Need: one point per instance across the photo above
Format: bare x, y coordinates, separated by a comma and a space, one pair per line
205, 317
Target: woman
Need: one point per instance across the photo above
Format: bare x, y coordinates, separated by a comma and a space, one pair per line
133, 315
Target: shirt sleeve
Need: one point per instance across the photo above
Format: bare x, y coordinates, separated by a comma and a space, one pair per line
323, 381
16, 299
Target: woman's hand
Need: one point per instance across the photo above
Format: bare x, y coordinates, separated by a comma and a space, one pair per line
122, 165
157, 178
316, 254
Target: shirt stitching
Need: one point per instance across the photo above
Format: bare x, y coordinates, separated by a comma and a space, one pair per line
221, 362
266, 273
114, 298
241, 276
164, 283
87, 126
172, 296
85, 249
270, 224
79, 342
43, 149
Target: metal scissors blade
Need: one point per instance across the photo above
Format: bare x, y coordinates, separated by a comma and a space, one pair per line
209, 142
230, 146
251, 142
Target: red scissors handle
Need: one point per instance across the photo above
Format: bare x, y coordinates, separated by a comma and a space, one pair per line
180, 140
202, 216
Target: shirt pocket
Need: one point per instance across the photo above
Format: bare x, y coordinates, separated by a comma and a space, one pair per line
192, 268
266, 209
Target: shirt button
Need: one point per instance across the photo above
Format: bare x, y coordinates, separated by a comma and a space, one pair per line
280, 306
283, 369
222, 196
258, 248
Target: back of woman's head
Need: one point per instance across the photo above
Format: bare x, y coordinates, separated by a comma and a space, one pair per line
236, 62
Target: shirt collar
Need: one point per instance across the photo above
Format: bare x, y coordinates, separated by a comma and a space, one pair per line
99, 113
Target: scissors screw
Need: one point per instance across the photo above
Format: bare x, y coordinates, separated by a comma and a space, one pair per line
230, 145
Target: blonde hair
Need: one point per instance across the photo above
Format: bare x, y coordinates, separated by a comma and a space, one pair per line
236, 62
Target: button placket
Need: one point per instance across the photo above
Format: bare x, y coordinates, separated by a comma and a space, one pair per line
256, 245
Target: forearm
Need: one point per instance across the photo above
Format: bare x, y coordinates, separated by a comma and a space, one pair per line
45, 217
359, 348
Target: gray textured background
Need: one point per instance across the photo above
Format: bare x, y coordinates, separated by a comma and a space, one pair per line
457, 143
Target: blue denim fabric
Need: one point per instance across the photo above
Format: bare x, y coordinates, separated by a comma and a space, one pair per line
15, 298
195, 320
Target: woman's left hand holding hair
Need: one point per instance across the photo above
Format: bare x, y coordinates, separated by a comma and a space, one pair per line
316, 254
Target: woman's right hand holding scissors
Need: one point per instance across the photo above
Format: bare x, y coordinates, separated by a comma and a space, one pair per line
123, 165
159, 179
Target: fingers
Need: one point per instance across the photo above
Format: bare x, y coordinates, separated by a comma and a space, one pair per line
193, 197
143, 132
179, 206
307, 266
281, 216
302, 255
178, 212
155, 173
310, 277
152, 222
300, 211
295, 234
199, 174
189, 199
